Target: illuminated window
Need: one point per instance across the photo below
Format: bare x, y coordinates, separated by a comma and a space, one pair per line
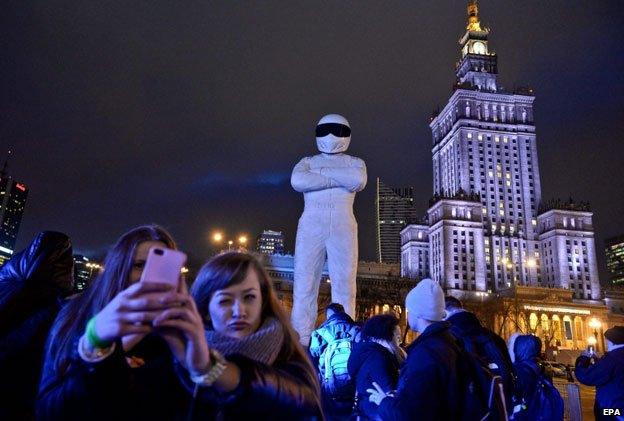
469, 135
480, 136
491, 173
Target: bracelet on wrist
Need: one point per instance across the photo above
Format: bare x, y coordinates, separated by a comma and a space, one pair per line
92, 336
218, 366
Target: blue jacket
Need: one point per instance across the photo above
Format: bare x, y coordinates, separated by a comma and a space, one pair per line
371, 362
429, 385
607, 374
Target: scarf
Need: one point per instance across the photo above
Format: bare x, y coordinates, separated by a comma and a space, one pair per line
263, 345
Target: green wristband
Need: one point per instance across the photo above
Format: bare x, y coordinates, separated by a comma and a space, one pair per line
93, 338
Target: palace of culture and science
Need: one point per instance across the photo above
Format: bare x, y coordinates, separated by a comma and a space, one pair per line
488, 233
486, 230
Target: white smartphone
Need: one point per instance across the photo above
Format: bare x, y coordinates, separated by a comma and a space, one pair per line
163, 265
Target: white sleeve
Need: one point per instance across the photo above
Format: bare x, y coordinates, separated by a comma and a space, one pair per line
303, 179
352, 177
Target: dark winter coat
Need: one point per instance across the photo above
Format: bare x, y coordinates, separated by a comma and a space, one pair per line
33, 284
160, 389
371, 362
607, 374
429, 387
526, 350
466, 326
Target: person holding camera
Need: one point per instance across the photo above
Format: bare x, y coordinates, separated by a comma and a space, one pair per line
606, 373
107, 358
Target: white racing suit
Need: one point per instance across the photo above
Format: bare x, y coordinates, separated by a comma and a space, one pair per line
326, 227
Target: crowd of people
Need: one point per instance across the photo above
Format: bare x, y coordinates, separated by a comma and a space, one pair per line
225, 349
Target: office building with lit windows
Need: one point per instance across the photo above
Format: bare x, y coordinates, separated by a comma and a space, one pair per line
13, 197
270, 242
614, 251
394, 209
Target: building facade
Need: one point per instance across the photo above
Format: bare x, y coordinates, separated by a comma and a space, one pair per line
614, 251
489, 234
270, 242
394, 209
13, 197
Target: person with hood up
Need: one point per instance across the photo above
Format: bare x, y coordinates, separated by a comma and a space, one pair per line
327, 227
376, 358
607, 374
33, 284
535, 396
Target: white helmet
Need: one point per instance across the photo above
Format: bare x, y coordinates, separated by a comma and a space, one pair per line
333, 134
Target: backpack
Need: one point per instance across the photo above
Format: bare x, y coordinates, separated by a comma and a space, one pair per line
545, 403
483, 397
335, 379
483, 345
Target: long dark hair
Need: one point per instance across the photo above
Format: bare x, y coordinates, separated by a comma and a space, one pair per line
231, 268
72, 320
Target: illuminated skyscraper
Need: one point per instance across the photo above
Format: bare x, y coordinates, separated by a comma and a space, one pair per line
12, 203
270, 242
394, 209
485, 233
615, 259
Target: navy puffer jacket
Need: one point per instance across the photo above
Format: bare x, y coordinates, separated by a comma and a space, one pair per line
32, 285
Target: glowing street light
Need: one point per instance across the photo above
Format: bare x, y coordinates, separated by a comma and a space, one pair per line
217, 237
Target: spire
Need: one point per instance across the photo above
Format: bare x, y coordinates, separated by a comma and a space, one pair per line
3, 172
473, 16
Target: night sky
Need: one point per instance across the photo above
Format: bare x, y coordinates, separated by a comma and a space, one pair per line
192, 114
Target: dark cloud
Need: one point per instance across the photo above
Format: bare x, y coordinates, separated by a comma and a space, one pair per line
192, 114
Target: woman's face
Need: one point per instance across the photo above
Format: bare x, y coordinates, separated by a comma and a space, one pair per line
140, 256
236, 311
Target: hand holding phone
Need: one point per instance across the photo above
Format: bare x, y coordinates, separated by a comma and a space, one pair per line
163, 265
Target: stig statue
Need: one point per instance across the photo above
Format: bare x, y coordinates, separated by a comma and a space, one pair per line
328, 182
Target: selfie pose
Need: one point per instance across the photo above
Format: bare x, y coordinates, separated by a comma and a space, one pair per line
107, 358
262, 371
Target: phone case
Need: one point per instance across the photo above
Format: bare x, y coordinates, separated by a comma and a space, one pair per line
163, 265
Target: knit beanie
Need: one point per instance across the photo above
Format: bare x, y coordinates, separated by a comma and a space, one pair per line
426, 300
615, 335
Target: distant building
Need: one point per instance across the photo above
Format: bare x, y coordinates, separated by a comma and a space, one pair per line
270, 242
615, 259
13, 197
394, 209
85, 271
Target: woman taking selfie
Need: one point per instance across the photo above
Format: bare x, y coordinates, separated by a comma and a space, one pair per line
106, 359
259, 369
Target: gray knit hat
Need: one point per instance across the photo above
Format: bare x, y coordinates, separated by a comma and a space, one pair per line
426, 300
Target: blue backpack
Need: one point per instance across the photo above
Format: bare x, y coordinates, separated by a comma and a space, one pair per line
545, 404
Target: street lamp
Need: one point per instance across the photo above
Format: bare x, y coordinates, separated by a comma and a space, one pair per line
595, 324
219, 238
